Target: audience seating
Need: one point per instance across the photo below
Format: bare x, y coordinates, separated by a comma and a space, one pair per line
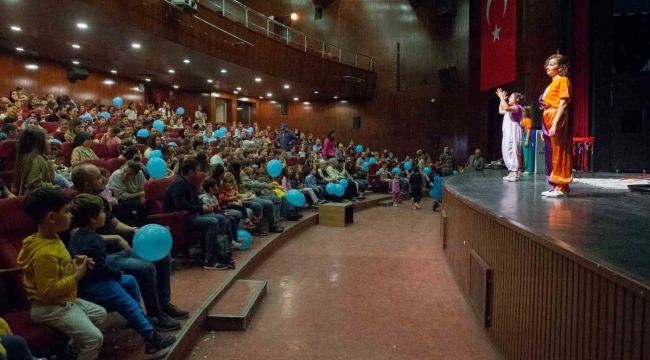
50, 126
59, 135
7, 177
8, 154
141, 147
113, 150
101, 150
67, 153
98, 136
114, 164
154, 193
100, 163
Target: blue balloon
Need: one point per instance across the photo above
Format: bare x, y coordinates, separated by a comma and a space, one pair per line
143, 133
155, 154
372, 160
408, 165
397, 170
180, 111
436, 191
365, 166
432, 193
105, 115
359, 148
295, 198
330, 188
57, 141
248, 239
427, 170
157, 167
339, 190
456, 172
172, 144
118, 101
344, 183
158, 124
152, 242
250, 130
209, 139
274, 168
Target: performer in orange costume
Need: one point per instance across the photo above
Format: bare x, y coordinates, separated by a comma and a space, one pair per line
557, 131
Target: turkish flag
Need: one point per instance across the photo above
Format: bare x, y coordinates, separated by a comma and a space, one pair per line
498, 42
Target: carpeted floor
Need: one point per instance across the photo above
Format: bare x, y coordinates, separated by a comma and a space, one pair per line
378, 289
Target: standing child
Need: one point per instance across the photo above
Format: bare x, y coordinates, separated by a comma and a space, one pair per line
415, 180
104, 284
51, 276
395, 190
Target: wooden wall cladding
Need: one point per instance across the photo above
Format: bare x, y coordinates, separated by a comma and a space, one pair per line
547, 302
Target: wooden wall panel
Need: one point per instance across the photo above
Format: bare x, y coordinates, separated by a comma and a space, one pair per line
547, 303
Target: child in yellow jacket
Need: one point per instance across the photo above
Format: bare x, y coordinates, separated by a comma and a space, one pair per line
51, 276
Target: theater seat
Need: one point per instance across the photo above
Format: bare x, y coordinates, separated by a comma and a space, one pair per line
50, 127
8, 154
59, 135
100, 163
67, 153
101, 150
114, 164
141, 147
154, 193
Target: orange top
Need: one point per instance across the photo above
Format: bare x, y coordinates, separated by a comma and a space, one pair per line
526, 123
559, 89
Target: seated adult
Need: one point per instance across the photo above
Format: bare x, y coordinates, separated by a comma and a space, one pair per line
182, 195
173, 163
82, 150
475, 162
58, 113
334, 175
153, 143
9, 131
127, 185
74, 127
220, 157
271, 204
11, 110
32, 169
153, 277
358, 176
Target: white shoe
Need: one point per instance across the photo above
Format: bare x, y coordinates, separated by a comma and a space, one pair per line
417, 206
513, 178
555, 194
546, 193
526, 173
506, 177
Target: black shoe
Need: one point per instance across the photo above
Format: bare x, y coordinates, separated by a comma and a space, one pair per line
231, 265
174, 311
163, 322
276, 229
216, 266
156, 342
294, 216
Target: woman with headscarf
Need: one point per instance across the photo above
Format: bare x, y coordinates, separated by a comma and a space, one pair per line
82, 150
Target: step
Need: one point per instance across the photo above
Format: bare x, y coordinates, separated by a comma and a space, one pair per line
234, 309
385, 203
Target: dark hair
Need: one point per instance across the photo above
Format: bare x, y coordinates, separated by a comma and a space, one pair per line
9, 127
130, 152
518, 96
189, 165
202, 159
44, 200
32, 143
59, 108
216, 172
151, 141
329, 134
562, 62
235, 169
416, 169
10, 120
165, 149
114, 129
208, 183
126, 143
85, 208
134, 165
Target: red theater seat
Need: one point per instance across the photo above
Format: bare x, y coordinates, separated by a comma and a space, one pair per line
50, 127
8, 154
141, 147
154, 192
114, 150
114, 164
101, 150
67, 153
100, 163
59, 135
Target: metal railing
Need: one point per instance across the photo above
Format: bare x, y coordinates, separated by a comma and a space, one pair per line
262, 24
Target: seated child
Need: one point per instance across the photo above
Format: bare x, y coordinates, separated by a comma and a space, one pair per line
103, 284
51, 276
209, 197
229, 198
111, 136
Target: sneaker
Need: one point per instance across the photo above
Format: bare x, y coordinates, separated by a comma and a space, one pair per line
546, 193
417, 206
526, 173
163, 322
156, 342
276, 229
513, 178
355, 200
555, 194
235, 244
231, 265
345, 201
258, 234
507, 177
320, 202
175, 312
217, 266
315, 205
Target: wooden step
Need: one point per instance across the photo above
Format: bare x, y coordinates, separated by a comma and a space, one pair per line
385, 203
234, 309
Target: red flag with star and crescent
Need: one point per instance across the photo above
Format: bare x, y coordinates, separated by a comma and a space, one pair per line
498, 42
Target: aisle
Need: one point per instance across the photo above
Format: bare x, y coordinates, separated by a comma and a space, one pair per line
379, 289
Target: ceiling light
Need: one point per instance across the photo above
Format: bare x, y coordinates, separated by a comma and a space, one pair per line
344, 101
135, 45
75, 62
287, 86
175, 86
20, 49
258, 79
239, 108
238, 89
261, 97
31, 66
223, 71
315, 92
187, 61
336, 97
147, 79
109, 82
210, 81
114, 71
306, 103
295, 99
76, 46
16, 28
269, 95
171, 71
273, 102
82, 26
294, 16
236, 92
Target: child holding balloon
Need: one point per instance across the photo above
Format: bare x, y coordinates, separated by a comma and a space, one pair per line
103, 284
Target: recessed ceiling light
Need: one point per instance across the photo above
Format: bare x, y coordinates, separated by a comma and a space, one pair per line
236, 92
295, 99
344, 101
16, 28
171, 71
294, 16
269, 95
315, 92
147, 79
261, 97
82, 26
240, 108
273, 102
187, 61
20, 49
76, 46
223, 71
175, 86
75, 62
210, 81
336, 97
114, 71
109, 82
258, 79
238, 89
135, 45
306, 103
287, 86
31, 66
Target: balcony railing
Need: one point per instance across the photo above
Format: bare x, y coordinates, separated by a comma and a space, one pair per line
262, 24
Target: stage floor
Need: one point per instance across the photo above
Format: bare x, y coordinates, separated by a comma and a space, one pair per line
608, 227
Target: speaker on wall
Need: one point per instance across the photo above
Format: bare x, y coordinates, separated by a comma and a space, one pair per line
356, 122
284, 108
77, 73
318, 12
448, 79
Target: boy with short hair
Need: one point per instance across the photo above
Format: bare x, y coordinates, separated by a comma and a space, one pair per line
51, 276
104, 284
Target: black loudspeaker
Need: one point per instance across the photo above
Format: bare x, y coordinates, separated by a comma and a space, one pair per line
284, 107
77, 73
356, 122
318, 13
446, 7
448, 79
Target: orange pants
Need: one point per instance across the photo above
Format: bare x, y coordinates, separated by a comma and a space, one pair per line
562, 145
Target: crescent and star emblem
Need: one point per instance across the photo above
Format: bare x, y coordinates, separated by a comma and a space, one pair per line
497, 29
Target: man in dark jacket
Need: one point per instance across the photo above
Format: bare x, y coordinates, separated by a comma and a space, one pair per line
475, 162
286, 137
181, 195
